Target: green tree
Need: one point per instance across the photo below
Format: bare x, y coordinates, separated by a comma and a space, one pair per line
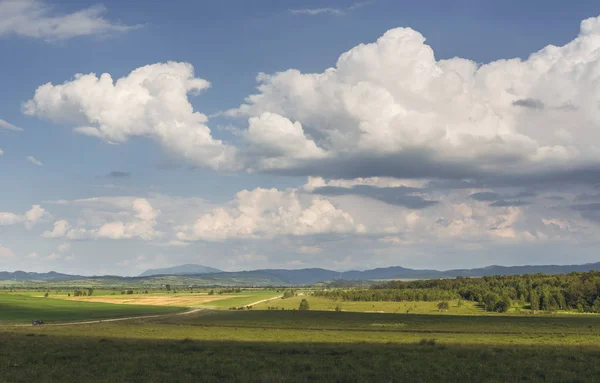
304, 305
534, 299
211, 292
490, 301
596, 306
168, 287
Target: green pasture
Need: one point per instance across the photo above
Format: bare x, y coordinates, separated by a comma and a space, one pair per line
56, 358
244, 298
302, 346
325, 304
18, 308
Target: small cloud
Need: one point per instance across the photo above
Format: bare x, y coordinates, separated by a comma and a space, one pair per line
1, 152
360, 5
64, 247
505, 203
8, 126
317, 11
32, 255
35, 19
530, 103
118, 174
329, 10
6, 252
391, 240
310, 249
485, 196
168, 165
178, 243
53, 257
34, 161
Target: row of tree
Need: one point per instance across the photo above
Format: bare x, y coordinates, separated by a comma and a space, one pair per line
574, 291
390, 295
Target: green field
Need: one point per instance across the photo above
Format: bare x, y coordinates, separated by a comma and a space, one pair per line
18, 308
325, 304
242, 299
425, 345
306, 346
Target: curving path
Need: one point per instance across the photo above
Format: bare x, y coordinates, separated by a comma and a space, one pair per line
112, 319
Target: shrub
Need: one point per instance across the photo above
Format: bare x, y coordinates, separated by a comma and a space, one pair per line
443, 306
304, 305
427, 342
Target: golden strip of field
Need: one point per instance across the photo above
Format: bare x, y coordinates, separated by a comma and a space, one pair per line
154, 300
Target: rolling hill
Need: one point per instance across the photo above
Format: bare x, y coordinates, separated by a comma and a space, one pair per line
181, 270
197, 275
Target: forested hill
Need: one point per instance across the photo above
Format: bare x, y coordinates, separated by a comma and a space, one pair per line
206, 275
181, 270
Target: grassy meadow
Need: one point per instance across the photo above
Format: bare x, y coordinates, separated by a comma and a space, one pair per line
325, 304
17, 308
365, 341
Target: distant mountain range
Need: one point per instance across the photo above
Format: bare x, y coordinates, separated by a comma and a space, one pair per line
181, 270
202, 275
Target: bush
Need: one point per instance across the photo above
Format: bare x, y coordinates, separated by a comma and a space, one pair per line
443, 306
304, 305
427, 342
502, 306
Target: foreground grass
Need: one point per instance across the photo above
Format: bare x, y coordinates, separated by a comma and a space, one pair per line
302, 346
328, 327
15, 308
34, 358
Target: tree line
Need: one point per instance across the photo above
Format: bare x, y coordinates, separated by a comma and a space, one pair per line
574, 291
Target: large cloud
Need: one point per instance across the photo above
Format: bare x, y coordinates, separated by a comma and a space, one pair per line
35, 19
30, 218
390, 108
138, 220
266, 213
152, 101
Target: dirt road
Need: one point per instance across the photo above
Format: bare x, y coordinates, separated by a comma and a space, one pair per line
112, 319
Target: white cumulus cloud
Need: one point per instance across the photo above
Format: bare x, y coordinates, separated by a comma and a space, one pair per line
60, 230
140, 223
266, 213
152, 101
30, 218
391, 107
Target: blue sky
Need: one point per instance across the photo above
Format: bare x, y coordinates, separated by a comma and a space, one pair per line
228, 43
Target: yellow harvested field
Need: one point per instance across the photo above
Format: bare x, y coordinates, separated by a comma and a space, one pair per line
178, 300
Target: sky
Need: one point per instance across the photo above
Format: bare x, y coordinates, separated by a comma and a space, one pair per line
292, 134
